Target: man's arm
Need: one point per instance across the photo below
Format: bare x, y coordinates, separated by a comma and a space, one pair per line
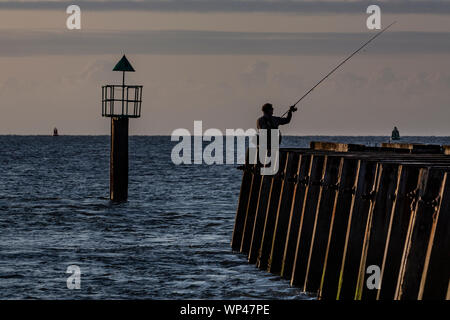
286, 120
289, 116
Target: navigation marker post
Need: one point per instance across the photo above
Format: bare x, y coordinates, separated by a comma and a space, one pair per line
120, 102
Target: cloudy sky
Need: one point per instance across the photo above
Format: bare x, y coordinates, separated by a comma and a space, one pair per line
220, 60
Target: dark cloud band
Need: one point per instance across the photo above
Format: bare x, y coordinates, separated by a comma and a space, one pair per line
281, 6
24, 43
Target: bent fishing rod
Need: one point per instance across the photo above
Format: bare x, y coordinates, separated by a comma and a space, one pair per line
337, 67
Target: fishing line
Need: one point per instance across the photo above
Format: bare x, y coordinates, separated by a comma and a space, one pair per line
338, 66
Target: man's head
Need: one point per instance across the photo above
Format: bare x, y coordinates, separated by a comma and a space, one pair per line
267, 109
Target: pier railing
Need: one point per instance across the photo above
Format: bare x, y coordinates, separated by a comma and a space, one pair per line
336, 214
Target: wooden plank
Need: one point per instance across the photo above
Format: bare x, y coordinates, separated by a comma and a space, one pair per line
397, 230
318, 164
436, 274
448, 291
274, 199
337, 147
322, 223
356, 228
295, 216
349, 147
338, 228
244, 196
250, 213
446, 150
377, 228
419, 230
283, 213
416, 148
260, 218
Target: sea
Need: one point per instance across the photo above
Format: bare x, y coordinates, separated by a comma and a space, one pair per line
171, 240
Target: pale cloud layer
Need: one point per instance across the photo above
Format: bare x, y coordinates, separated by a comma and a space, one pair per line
369, 96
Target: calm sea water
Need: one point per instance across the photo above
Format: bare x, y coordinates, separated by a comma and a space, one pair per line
171, 240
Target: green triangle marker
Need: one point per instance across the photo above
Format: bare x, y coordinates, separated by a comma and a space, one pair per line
124, 65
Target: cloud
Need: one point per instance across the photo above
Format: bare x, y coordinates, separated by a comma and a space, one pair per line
256, 74
415, 84
94, 71
346, 80
386, 76
285, 6
26, 43
13, 84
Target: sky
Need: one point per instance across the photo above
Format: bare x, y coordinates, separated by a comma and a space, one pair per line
219, 60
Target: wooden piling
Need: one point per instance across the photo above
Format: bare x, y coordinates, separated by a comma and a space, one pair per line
338, 228
316, 173
397, 230
250, 212
118, 182
322, 221
273, 204
260, 218
356, 229
377, 228
418, 235
436, 275
282, 215
299, 194
239, 221
448, 291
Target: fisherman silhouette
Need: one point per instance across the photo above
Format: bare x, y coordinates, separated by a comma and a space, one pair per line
268, 121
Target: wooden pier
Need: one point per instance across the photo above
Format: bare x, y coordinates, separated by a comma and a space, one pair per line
335, 209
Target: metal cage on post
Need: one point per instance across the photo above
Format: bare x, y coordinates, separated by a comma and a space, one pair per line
121, 101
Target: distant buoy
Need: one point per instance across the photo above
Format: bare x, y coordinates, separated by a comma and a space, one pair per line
395, 134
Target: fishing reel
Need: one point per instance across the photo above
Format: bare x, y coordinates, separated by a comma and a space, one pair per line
293, 108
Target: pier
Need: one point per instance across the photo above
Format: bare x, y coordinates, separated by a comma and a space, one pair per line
335, 212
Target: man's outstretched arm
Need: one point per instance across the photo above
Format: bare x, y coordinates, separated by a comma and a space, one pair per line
286, 120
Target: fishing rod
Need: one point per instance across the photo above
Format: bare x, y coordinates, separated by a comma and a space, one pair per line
338, 66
